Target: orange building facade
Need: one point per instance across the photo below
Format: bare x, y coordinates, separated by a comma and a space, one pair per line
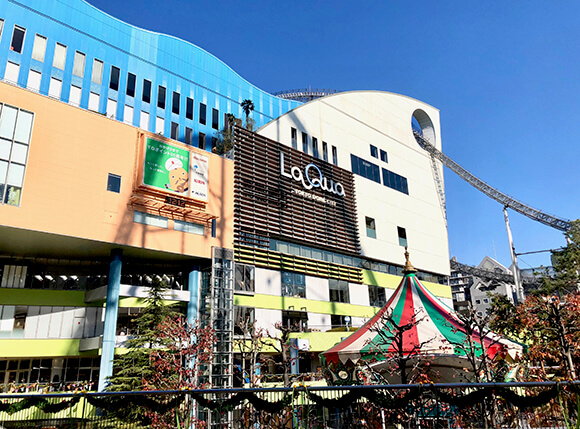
92, 211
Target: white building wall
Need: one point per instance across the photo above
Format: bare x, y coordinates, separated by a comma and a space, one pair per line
268, 282
266, 319
317, 289
352, 121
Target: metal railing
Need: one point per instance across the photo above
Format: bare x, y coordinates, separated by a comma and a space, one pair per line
491, 405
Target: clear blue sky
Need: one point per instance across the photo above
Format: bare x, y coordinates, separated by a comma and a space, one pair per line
505, 76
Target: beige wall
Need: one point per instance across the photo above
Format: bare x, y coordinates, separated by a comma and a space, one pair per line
72, 151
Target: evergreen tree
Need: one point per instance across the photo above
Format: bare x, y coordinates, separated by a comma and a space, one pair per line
133, 367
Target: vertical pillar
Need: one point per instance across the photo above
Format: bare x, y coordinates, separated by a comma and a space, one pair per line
111, 311
193, 304
294, 356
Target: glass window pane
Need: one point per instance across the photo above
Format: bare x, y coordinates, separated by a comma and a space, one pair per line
97, 76
39, 48
54, 88
79, 64
34, 79
15, 175
17, 39
5, 146
75, 96
12, 72
59, 56
8, 122
23, 127
19, 153
3, 171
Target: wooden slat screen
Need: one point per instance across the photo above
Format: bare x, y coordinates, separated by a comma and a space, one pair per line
267, 207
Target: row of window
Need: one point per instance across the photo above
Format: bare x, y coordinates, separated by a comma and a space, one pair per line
79, 63
15, 131
375, 154
351, 261
178, 225
310, 146
372, 171
371, 227
49, 370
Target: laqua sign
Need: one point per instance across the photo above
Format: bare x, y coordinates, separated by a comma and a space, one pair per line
311, 178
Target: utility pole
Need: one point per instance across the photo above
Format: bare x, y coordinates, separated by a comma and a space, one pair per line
518, 286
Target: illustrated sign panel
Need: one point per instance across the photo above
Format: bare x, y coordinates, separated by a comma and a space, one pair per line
176, 170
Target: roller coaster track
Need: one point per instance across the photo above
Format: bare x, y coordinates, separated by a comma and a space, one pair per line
490, 275
500, 197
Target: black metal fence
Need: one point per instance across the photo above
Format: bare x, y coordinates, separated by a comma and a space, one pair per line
483, 405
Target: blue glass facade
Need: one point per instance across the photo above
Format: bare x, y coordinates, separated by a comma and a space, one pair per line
131, 59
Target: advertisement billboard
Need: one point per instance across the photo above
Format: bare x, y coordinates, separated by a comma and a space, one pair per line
175, 169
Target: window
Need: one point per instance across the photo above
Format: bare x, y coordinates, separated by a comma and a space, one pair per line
201, 141
115, 75
394, 181
244, 318
337, 321
214, 141
34, 79
20, 313
202, 113
17, 39
215, 119
79, 64
15, 130
1, 26
144, 120
128, 115
377, 296
244, 278
175, 102
174, 131
150, 219
374, 152
59, 59
296, 321
131, 82
213, 228
188, 135
12, 72
294, 138
334, 156
159, 125
402, 233
189, 108
485, 301
192, 228
325, 151
478, 301
365, 169
74, 97
371, 227
146, 91
315, 147
384, 156
55, 88
338, 290
293, 284
39, 48
305, 143
111, 108
97, 75
114, 183
161, 97
94, 101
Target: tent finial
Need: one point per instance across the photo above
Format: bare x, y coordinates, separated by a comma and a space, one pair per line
408, 268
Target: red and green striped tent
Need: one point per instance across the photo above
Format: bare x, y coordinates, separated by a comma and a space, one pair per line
435, 330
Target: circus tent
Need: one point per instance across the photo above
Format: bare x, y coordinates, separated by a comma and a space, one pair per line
432, 329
